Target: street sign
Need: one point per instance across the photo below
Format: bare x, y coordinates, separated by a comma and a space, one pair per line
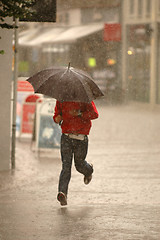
48, 133
112, 32
28, 112
24, 86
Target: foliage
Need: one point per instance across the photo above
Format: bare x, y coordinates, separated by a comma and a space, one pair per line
15, 9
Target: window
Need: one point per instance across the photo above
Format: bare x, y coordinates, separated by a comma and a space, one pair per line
159, 7
140, 8
132, 6
148, 7
138, 63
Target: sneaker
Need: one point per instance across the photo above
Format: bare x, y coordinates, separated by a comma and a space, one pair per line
62, 198
87, 179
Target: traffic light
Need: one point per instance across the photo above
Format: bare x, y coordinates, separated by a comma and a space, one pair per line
43, 11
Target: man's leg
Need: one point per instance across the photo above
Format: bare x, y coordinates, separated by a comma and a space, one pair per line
80, 153
66, 157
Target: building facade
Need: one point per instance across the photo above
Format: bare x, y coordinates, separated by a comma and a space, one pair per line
76, 37
141, 49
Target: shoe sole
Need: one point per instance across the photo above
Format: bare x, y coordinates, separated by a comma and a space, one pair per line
62, 199
86, 180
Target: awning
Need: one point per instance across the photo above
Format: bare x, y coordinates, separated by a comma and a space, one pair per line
74, 33
37, 37
47, 36
26, 36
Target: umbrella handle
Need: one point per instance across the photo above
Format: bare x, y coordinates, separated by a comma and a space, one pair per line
60, 123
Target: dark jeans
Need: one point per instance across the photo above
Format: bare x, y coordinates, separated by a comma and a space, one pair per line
78, 149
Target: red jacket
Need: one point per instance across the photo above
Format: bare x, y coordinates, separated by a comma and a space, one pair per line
78, 124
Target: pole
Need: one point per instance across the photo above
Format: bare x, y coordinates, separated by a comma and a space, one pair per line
15, 74
124, 44
153, 54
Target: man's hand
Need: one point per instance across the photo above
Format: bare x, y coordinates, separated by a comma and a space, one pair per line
58, 119
75, 112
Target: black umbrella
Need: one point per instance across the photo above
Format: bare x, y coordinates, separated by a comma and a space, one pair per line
65, 84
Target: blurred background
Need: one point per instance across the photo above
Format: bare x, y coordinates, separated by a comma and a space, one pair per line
112, 40
78, 36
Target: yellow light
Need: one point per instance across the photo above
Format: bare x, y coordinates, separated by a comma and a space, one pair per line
129, 52
111, 61
130, 77
92, 62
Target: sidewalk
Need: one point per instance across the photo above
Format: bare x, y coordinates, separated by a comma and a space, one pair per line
121, 203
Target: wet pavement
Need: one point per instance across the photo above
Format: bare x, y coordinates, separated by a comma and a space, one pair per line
121, 203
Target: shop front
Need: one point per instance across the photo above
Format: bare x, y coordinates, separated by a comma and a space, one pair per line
138, 62
141, 50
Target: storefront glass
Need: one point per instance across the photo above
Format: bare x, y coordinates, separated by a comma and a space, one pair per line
138, 62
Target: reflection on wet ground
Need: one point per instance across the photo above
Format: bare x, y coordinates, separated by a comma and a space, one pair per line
121, 203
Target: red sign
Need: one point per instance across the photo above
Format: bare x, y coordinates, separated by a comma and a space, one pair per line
24, 86
112, 32
28, 117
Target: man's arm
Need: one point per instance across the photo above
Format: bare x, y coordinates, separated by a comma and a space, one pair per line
57, 117
91, 112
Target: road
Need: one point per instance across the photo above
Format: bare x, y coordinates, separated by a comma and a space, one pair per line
122, 202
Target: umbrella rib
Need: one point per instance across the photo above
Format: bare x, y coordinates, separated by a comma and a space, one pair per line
63, 73
83, 84
49, 78
86, 76
80, 78
82, 73
41, 84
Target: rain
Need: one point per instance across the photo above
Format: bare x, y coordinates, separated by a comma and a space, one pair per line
114, 45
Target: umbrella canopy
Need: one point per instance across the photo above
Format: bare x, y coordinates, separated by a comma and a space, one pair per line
65, 84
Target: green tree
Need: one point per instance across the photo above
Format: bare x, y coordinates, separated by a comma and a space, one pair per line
15, 9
